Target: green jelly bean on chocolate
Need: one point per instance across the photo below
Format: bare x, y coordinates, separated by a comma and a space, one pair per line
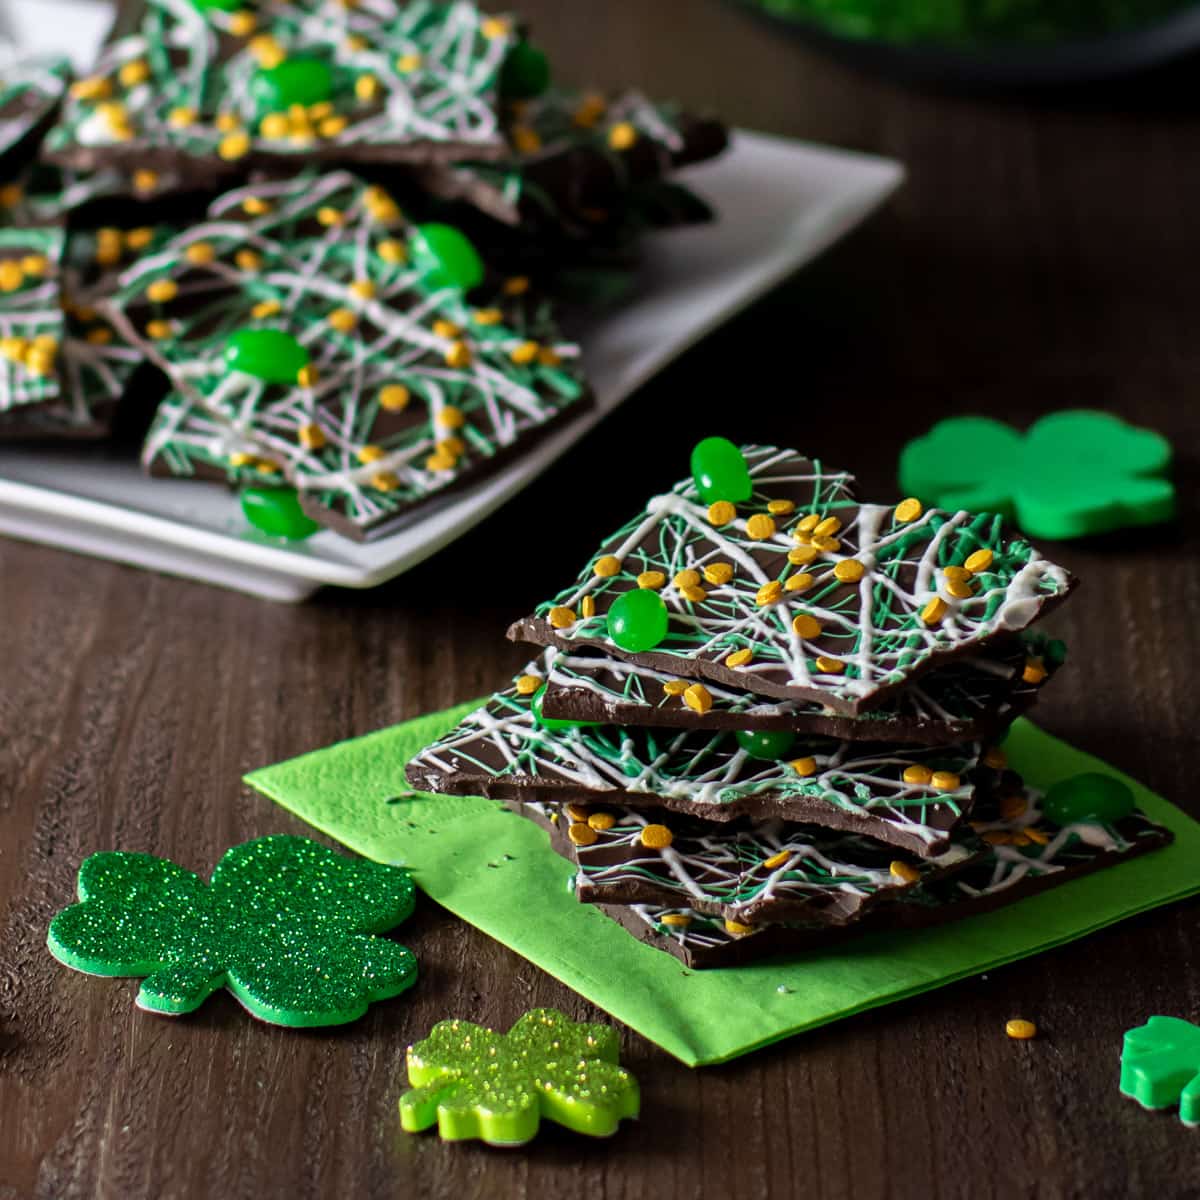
1088, 798
268, 354
447, 257
765, 743
637, 620
719, 471
302, 81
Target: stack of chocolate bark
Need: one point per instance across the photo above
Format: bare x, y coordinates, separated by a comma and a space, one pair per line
339, 233
767, 715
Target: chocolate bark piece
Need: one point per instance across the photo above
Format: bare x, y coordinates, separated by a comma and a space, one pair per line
178, 86
751, 872
501, 751
1025, 855
972, 699
802, 592
406, 388
579, 163
30, 93
31, 317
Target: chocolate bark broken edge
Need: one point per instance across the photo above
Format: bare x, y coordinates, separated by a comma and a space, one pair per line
807, 810
772, 941
647, 893
536, 631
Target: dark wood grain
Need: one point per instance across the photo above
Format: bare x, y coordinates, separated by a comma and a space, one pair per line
1045, 252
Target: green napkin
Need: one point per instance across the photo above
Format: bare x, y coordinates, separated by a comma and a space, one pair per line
497, 871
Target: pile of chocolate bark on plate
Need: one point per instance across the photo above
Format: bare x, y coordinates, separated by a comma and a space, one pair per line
318, 248
768, 715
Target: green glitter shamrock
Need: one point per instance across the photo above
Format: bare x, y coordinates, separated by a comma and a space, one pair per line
497, 1086
1070, 474
1160, 1066
285, 925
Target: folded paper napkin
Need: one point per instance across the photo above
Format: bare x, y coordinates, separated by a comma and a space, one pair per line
497, 871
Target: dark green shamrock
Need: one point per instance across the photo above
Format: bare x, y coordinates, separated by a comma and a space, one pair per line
1071, 473
497, 1086
1160, 1066
286, 925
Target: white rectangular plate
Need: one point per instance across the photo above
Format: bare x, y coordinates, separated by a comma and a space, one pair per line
779, 204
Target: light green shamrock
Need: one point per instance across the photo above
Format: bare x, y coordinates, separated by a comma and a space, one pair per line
498, 1086
1070, 474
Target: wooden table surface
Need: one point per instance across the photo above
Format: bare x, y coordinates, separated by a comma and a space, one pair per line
1045, 253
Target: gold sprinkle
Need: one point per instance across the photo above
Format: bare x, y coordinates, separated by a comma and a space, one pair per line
576, 812
200, 253
606, 566
1034, 672
760, 527
1037, 836
806, 626
561, 617
769, 593
441, 461
945, 781
737, 928
980, 561
392, 252
343, 320
718, 573
827, 527
651, 579
518, 285
364, 289
1020, 1030
958, 573
902, 871
739, 658
99, 336
959, 589
933, 611
581, 833
804, 767
524, 139
601, 821
330, 216
162, 291
11, 194
265, 308
849, 570
458, 356
487, 316
800, 556
721, 512
830, 666
35, 264
407, 63
825, 543
181, 117
312, 436
523, 354
394, 397
95, 87
908, 510
807, 523
917, 774
780, 508
306, 377
588, 606
698, 698
693, 595
235, 146
623, 135
159, 330
446, 329
248, 260
275, 126
242, 24
370, 454
675, 687
494, 27
528, 684
134, 72
450, 417
995, 758
676, 920
687, 578
799, 582
656, 837
777, 860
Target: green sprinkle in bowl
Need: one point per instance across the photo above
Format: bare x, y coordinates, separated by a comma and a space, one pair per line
997, 42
